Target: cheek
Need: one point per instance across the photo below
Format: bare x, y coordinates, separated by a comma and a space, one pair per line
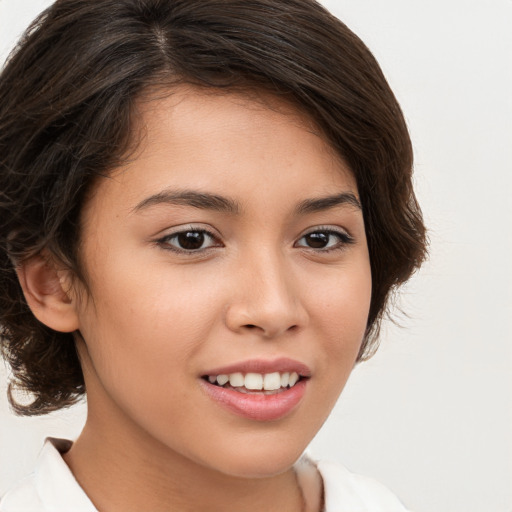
342, 304
340, 317
141, 324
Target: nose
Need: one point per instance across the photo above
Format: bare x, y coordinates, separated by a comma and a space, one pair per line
267, 300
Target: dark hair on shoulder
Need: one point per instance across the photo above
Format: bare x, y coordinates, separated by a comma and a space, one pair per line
67, 95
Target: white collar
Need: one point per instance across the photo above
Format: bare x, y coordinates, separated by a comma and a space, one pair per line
344, 490
55, 484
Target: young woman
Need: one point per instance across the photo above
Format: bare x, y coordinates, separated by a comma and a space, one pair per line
205, 207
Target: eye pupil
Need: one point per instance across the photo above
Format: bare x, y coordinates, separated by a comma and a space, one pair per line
191, 240
317, 240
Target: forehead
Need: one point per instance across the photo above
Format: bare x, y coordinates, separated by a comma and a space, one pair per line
225, 142
204, 112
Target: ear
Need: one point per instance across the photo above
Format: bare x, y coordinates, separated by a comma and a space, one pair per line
45, 289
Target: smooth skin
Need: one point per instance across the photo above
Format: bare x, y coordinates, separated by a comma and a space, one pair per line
209, 248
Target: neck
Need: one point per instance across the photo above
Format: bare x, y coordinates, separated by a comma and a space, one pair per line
123, 469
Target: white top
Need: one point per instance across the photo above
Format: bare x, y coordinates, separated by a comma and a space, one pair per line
53, 488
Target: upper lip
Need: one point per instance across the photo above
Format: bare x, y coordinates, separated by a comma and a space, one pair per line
263, 366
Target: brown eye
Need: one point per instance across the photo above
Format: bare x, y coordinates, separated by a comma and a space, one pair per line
190, 240
317, 240
324, 239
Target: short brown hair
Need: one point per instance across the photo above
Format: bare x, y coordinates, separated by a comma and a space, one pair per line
67, 94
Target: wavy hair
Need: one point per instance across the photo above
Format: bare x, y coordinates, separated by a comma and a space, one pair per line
67, 96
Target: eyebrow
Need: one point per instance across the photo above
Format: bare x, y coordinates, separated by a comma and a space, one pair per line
203, 201
206, 201
326, 203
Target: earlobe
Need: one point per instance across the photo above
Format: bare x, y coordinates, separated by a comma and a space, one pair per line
45, 290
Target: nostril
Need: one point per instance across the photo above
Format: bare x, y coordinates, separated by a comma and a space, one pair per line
253, 327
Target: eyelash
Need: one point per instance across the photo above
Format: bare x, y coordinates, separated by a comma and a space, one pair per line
165, 241
344, 239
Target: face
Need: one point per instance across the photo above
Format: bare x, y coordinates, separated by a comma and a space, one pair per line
229, 284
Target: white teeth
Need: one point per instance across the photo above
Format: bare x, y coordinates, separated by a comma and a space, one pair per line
271, 381
222, 379
253, 381
236, 380
256, 381
294, 377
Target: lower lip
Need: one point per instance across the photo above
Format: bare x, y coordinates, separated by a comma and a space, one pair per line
259, 407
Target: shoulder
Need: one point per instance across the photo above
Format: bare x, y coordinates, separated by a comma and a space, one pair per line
51, 487
344, 490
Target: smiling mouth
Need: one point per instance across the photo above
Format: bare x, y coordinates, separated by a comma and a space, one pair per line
256, 383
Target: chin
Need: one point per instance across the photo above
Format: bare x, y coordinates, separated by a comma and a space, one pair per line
259, 461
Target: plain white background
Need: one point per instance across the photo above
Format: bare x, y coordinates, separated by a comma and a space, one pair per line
431, 414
